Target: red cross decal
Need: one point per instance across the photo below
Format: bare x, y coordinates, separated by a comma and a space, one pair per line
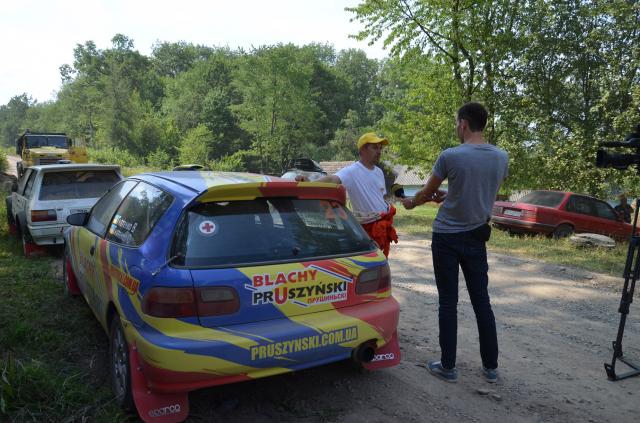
207, 227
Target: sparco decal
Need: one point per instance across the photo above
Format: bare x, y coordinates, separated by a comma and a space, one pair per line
163, 411
383, 357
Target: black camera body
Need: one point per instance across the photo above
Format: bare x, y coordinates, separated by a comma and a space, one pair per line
621, 161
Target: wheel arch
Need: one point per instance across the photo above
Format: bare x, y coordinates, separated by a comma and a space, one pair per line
111, 313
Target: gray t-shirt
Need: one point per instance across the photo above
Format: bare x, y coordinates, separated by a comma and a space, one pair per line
474, 173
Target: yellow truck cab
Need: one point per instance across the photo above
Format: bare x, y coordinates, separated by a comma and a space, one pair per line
41, 148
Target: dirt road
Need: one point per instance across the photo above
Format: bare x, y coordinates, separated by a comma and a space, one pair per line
555, 327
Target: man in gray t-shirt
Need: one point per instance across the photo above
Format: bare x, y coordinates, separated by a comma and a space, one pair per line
474, 171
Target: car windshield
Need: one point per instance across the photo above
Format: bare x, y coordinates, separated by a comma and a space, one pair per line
266, 230
34, 141
543, 198
68, 185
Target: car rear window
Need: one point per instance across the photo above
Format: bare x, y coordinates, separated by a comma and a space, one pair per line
543, 198
68, 185
266, 230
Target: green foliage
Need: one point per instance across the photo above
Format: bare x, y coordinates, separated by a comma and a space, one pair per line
231, 163
556, 77
276, 109
114, 156
160, 159
4, 164
195, 147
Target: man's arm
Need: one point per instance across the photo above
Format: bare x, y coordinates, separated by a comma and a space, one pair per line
428, 193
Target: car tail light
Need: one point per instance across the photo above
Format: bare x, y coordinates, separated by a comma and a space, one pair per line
187, 302
169, 302
372, 280
528, 214
43, 215
496, 210
216, 301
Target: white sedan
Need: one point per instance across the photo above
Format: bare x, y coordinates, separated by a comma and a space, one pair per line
38, 207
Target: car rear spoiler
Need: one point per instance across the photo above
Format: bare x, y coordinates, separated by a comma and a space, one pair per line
253, 190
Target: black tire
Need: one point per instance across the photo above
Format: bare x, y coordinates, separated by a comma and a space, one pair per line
120, 368
562, 231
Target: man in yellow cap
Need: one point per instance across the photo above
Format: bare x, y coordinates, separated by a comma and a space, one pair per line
365, 185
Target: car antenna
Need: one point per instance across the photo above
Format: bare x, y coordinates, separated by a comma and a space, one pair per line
155, 272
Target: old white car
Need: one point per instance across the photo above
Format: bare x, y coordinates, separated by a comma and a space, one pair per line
38, 207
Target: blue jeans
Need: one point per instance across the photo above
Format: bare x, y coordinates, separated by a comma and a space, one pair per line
450, 251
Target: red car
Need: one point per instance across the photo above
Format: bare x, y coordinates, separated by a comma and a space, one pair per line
558, 214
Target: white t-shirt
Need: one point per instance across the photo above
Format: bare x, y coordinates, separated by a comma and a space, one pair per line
365, 187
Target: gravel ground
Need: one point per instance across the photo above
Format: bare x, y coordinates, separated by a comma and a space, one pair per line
555, 327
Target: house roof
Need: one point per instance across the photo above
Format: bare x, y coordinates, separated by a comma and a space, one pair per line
332, 167
404, 175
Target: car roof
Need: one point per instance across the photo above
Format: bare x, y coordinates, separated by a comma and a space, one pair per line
75, 166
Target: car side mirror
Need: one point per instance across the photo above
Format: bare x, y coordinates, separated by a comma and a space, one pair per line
77, 219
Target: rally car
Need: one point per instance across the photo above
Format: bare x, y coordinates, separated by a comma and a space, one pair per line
210, 278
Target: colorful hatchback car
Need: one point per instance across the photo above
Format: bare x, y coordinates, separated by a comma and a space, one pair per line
209, 278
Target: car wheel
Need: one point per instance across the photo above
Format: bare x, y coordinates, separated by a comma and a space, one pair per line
70, 283
120, 366
562, 231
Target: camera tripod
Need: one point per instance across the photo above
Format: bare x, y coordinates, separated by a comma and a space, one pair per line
631, 274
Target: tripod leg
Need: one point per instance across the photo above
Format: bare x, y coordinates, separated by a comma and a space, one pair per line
631, 274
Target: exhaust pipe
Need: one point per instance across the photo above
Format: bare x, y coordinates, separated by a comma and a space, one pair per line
364, 352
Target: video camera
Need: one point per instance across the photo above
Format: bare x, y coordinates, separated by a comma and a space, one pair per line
621, 161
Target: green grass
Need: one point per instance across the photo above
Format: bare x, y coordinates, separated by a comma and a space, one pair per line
610, 261
53, 353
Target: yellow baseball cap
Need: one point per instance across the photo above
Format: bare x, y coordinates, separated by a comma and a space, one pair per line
371, 138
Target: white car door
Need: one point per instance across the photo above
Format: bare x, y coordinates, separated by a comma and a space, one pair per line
20, 198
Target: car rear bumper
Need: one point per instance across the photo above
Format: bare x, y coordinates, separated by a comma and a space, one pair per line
48, 234
523, 226
192, 357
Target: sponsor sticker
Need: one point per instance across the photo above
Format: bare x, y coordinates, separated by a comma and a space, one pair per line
292, 346
383, 357
163, 411
300, 287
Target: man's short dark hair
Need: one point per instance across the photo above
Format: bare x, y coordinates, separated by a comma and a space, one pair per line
475, 114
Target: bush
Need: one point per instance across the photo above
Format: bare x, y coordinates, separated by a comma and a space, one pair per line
231, 163
160, 159
114, 156
4, 164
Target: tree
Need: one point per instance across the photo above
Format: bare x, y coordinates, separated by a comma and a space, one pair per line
195, 146
278, 108
12, 117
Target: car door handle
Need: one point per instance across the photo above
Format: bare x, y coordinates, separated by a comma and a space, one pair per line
92, 249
